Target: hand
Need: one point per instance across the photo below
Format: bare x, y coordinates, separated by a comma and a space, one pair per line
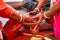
30, 19
34, 12
34, 28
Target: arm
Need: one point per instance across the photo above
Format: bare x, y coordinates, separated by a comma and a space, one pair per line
10, 12
53, 10
40, 3
39, 6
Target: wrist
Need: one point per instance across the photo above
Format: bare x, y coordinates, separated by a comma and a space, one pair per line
37, 9
22, 18
45, 16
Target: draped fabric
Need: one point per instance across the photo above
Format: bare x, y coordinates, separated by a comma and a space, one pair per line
2, 5
57, 23
58, 1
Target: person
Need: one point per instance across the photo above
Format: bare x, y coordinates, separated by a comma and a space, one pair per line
53, 11
7, 11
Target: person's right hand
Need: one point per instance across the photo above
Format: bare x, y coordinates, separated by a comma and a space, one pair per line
30, 19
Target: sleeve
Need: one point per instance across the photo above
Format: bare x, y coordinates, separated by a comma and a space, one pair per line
7, 12
2, 4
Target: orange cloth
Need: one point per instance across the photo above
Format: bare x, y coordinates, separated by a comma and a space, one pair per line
5, 10
2, 5
11, 27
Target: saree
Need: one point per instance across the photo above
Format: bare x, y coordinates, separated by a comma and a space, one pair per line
57, 23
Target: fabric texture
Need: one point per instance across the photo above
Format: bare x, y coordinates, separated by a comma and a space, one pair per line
57, 23
2, 5
7, 12
58, 1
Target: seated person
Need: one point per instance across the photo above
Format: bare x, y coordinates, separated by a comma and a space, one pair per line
7, 11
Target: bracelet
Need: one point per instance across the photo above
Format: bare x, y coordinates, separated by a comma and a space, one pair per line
21, 18
45, 15
37, 9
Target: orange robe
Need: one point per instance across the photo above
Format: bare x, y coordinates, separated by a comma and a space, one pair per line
11, 27
5, 11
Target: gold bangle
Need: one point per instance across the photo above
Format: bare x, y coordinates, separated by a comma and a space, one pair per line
37, 9
45, 15
21, 18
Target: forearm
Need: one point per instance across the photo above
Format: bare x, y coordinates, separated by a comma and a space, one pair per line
53, 10
15, 15
10, 12
40, 3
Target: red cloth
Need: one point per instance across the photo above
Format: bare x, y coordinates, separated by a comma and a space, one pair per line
20, 38
57, 22
5, 10
2, 5
11, 28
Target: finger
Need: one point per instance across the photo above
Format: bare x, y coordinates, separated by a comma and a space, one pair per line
34, 21
31, 20
33, 13
42, 11
35, 16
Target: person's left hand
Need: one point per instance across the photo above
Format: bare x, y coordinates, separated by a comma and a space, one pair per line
34, 17
34, 12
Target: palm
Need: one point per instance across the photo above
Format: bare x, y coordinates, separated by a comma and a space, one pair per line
30, 19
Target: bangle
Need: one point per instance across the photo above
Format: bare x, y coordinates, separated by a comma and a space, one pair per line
37, 9
21, 18
45, 15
